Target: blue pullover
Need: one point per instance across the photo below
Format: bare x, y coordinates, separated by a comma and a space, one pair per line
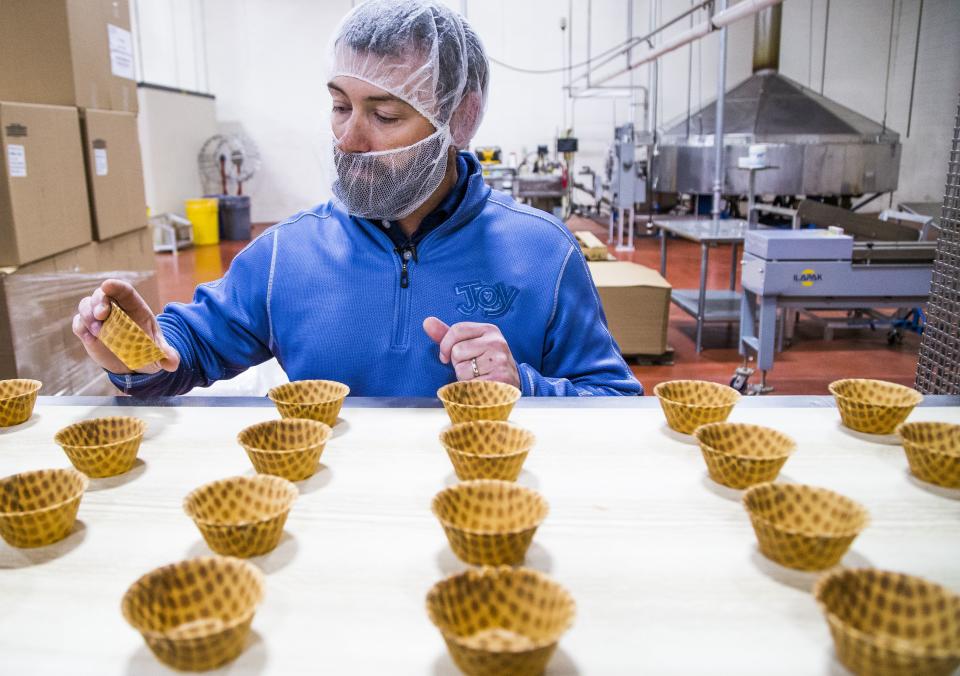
329, 296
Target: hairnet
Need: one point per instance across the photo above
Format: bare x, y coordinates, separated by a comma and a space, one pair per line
422, 52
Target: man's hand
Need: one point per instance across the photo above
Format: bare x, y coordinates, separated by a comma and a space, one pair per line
94, 310
477, 351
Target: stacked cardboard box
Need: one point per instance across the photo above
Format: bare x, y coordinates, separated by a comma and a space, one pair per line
636, 301
72, 200
43, 195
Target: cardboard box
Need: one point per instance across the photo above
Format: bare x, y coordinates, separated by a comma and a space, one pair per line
114, 172
591, 246
36, 329
132, 251
636, 301
38, 301
43, 192
68, 53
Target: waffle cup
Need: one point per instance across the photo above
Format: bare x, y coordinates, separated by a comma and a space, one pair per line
889, 623
38, 508
487, 449
289, 447
319, 400
687, 404
17, 399
128, 341
803, 527
242, 516
500, 621
933, 451
739, 455
478, 400
103, 446
195, 615
489, 522
873, 406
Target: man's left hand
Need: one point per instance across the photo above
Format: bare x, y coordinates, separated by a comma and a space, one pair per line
477, 351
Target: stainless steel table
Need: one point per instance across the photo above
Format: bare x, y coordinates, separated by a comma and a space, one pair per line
703, 304
662, 562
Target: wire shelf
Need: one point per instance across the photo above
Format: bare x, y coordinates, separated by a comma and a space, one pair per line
938, 366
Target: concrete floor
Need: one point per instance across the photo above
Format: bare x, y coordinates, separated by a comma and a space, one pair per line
806, 367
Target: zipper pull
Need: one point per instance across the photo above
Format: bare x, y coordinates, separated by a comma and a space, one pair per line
405, 253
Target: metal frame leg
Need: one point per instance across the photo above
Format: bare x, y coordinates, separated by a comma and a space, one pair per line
626, 222
782, 330
610, 232
748, 319
767, 332
733, 266
663, 252
702, 298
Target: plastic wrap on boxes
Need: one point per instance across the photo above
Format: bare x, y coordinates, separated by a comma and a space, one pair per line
36, 329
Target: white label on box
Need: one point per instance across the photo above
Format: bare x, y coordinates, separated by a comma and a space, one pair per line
100, 161
121, 51
17, 160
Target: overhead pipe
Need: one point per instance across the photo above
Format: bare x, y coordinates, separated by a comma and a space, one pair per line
718, 173
653, 84
720, 20
666, 47
640, 39
742, 9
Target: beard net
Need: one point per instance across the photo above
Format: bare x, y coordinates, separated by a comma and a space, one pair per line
391, 184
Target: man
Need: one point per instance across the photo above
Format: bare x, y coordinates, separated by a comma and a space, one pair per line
416, 274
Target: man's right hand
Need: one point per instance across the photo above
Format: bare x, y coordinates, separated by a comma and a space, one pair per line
94, 310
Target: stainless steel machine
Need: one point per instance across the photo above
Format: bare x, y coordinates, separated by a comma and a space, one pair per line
626, 178
822, 269
819, 147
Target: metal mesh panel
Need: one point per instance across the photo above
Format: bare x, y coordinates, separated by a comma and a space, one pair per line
938, 367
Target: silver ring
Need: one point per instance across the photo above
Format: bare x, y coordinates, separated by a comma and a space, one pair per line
476, 369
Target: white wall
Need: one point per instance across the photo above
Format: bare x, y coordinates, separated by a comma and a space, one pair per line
169, 43
172, 127
265, 62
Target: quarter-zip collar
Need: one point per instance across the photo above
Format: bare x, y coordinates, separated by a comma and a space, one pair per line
475, 193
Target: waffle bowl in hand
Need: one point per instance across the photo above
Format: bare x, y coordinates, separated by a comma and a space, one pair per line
489, 522
242, 516
487, 449
687, 404
500, 621
39, 508
289, 447
889, 623
933, 451
319, 400
103, 447
130, 343
803, 527
17, 399
873, 406
195, 615
739, 455
478, 400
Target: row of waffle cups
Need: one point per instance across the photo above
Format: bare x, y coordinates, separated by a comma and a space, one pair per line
500, 617
881, 622
195, 615
239, 517
39, 507
740, 455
